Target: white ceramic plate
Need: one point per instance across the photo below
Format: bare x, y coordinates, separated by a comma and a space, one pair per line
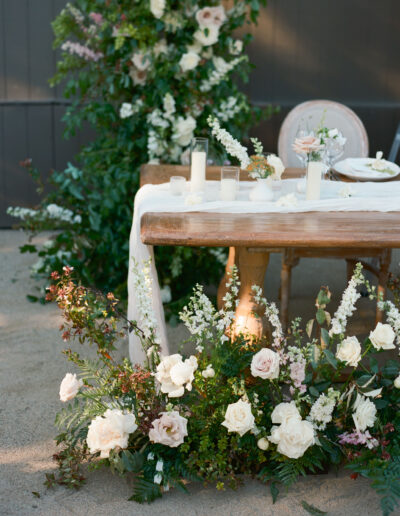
358, 169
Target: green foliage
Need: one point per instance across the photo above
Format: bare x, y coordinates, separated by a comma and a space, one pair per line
101, 188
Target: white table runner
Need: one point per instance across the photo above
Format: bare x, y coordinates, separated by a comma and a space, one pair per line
367, 196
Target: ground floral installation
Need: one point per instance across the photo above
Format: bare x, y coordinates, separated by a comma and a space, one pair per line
274, 408
145, 75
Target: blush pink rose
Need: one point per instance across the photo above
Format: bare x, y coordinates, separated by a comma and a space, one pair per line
265, 364
170, 429
307, 144
211, 16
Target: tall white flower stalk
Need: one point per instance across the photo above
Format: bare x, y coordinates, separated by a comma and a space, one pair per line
393, 317
147, 322
347, 304
232, 146
272, 314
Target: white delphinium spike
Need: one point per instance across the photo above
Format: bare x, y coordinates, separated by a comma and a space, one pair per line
347, 304
271, 312
142, 282
232, 146
227, 313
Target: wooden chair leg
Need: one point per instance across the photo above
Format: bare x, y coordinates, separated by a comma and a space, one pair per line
384, 264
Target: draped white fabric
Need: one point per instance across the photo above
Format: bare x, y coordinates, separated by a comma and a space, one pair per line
367, 196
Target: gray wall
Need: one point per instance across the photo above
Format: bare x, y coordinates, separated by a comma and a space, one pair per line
346, 50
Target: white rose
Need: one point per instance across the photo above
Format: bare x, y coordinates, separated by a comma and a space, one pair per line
221, 65
293, 437
285, 411
349, 351
157, 8
238, 417
110, 430
383, 337
173, 374
69, 387
207, 36
138, 76
365, 413
211, 16
208, 372
126, 110
170, 429
141, 61
189, 61
236, 47
277, 164
397, 382
265, 364
263, 443
183, 130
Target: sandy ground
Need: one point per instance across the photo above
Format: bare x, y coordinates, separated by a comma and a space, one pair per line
31, 367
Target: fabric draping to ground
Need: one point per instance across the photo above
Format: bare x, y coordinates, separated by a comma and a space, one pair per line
32, 366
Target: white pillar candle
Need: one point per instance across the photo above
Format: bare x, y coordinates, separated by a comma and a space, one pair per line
314, 172
198, 171
228, 189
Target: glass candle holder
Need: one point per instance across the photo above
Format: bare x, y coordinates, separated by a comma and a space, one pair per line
198, 163
229, 183
177, 185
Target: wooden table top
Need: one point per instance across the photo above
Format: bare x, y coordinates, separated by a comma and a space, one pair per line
274, 230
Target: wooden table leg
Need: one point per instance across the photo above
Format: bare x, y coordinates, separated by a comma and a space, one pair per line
252, 266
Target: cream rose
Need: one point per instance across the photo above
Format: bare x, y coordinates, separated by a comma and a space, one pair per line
397, 382
238, 417
263, 443
109, 431
138, 76
211, 16
307, 144
170, 429
285, 411
157, 8
183, 130
208, 372
365, 413
174, 374
349, 351
141, 61
69, 387
265, 364
293, 437
277, 165
189, 61
383, 337
207, 36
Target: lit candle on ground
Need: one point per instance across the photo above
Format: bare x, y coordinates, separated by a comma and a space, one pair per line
314, 173
198, 171
228, 189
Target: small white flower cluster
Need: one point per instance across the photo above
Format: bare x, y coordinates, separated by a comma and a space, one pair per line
142, 284
272, 313
175, 374
347, 304
81, 50
232, 146
322, 409
229, 108
127, 109
288, 201
222, 69
230, 302
393, 317
51, 211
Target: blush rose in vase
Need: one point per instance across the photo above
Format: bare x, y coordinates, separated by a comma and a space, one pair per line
313, 150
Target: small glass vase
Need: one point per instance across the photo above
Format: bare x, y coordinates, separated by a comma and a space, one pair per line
262, 192
315, 172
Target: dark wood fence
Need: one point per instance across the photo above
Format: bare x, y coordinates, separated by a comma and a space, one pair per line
345, 50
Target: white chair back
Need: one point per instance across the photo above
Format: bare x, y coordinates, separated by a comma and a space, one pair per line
335, 115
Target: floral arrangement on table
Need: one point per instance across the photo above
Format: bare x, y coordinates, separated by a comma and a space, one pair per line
381, 165
275, 408
145, 75
259, 165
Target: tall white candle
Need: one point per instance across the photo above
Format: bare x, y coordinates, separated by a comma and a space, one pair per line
198, 171
228, 189
314, 172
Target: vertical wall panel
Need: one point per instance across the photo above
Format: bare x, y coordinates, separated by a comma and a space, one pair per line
2, 52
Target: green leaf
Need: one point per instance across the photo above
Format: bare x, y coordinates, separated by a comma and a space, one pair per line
320, 316
373, 363
324, 297
145, 491
325, 336
32, 299
330, 358
311, 509
309, 327
312, 390
274, 491
133, 462
28, 249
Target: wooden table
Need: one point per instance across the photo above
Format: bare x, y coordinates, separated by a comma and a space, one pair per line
251, 237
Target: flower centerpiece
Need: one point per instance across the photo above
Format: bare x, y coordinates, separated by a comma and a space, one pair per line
260, 166
274, 408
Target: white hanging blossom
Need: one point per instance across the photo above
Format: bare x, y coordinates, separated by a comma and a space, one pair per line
142, 283
272, 313
230, 302
347, 304
393, 317
229, 108
232, 146
51, 211
220, 72
321, 412
127, 109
